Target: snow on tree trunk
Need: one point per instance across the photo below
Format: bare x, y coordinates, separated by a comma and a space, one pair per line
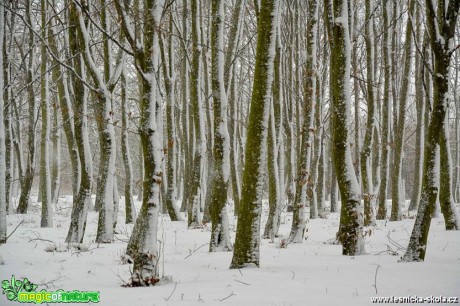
441, 32
45, 173
2, 136
219, 179
274, 184
448, 207
142, 246
351, 218
56, 156
420, 110
130, 210
247, 241
313, 182
366, 167
8, 109
397, 198
169, 74
196, 192
59, 77
304, 160
26, 182
104, 118
83, 197
386, 119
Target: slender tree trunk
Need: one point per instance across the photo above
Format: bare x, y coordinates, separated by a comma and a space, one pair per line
196, 190
448, 208
130, 210
273, 147
441, 32
351, 218
2, 136
170, 77
45, 173
366, 160
143, 247
28, 176
104, 118
219, 180
298, 226
334, 200
396, 202
247, 241
82, 201
420, 135
7, 97
59, 77
56, 155
386, 103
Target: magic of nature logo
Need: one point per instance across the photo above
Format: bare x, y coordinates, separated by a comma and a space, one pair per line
24, 291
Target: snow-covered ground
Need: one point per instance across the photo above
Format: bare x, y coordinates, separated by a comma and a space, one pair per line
312, 273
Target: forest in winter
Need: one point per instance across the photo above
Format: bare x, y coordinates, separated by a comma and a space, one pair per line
260, 152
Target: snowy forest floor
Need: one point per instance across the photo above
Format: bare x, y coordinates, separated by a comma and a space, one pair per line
312, 273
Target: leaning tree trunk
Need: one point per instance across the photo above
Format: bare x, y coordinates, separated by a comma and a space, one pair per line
247, 241
60, 78
441, 32
26, 184
351, 217
83, 197
103, 110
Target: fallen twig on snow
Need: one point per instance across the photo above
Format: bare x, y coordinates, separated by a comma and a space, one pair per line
167, 299
375, 279
227, 297
14, 230
195, 249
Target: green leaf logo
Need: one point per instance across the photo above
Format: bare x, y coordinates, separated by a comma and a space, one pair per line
12, 288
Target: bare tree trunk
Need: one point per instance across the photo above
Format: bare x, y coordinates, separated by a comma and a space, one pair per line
386, 119
304, 160
273, 146
420, 109
170, 77
130, 210
8, 109
351, 218
396, 202
28, 176
45, 173
219, 180
80, 110
2, 136
143, 246
448, 208
196, 190
441, 31
366, 158
247, 241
